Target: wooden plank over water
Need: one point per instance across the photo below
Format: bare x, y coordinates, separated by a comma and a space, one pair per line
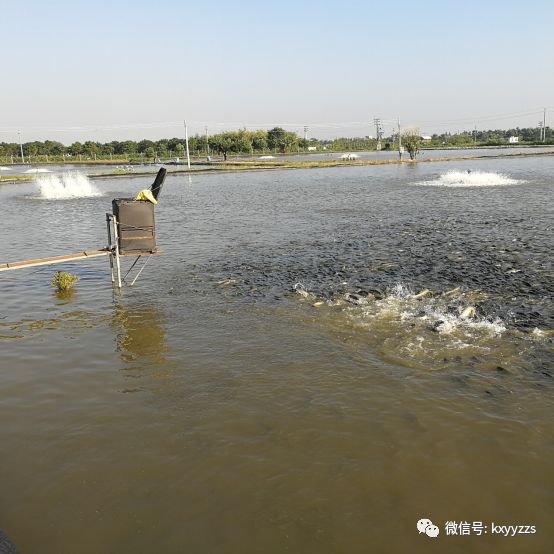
55, 259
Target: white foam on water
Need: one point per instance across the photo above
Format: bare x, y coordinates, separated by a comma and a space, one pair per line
403, 305
66, 185
448, 323
301, 290
38, 170
428, 329
455, 178
542, 333
427, 313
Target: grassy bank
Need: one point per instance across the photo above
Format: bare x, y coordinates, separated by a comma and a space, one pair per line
15, 178
257, 165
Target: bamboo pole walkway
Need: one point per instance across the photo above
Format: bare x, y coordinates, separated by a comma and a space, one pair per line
55, 259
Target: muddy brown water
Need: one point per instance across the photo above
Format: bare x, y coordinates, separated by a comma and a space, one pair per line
275, 382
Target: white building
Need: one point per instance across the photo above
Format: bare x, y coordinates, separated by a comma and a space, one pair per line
513, 140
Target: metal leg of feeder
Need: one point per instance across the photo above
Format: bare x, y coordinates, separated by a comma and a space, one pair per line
131, 268
116, 251
140, 270
110, 246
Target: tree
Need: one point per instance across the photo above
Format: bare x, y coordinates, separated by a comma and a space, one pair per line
172, 143
291, 140
411, 140
223, 143
76, 148
149, 152
107, 149
279, 139
143, 145
161, 147
32, 148
128, 147
91, 148
53, 148
276, 138
117, 147
197, 144
259, 139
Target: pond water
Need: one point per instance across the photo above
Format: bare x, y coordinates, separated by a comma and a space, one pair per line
319, 359
423, 154
40, 170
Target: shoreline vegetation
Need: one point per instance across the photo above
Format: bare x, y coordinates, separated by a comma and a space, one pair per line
200, 157
260, 142
259, 165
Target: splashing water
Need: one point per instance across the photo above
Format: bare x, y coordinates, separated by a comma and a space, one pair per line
472, 179
443, 314
66, 185
429, 329
38, 170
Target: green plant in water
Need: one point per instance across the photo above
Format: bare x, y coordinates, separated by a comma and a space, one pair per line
64, 281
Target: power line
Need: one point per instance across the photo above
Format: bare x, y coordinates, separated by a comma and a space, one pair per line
337, 126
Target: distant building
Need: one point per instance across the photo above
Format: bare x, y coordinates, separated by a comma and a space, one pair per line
312, 148
513, 140
426, 138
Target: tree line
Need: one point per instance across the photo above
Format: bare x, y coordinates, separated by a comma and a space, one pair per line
497, 137
243, 141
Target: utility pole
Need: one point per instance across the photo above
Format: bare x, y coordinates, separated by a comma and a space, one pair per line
187, 143
378, 131
400, 149
207, 143
21, 147
544, 125
540, 130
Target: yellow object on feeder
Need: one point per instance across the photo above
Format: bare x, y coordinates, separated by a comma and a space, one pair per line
146, 194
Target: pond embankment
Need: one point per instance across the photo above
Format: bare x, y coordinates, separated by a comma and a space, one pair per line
266, 165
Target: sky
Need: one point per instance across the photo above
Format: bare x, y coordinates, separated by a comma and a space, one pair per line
116, 70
